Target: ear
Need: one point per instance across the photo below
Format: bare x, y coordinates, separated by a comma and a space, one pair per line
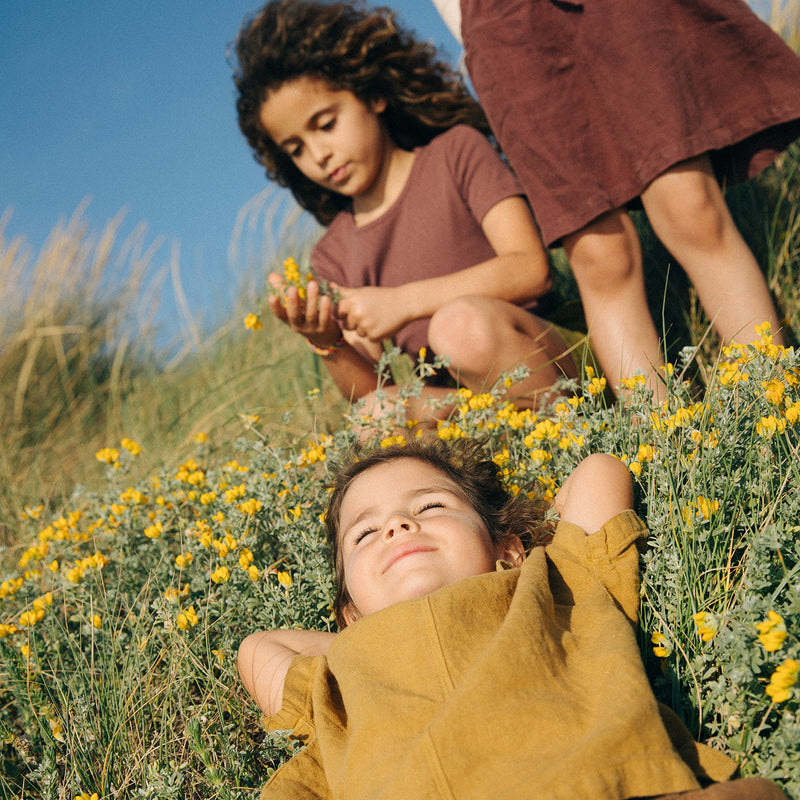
512, 550
378, 106
350, 614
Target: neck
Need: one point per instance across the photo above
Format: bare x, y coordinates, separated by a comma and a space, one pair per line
388, 185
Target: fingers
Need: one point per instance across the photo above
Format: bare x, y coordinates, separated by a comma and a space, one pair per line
309, 316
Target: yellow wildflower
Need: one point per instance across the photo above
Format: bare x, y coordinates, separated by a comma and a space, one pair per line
662, 648
540, 457
769, 426
772, 631
596, 386
782, 680
187, 619
707, 507
633, 383
252, 323
645, 453
285, 578
183, 560
96, 620
792, 413
153, 531
200, 437
107, 455
220, 575
774, 391
134, 448
706, 625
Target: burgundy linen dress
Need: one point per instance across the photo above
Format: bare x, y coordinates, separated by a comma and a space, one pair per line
591, 101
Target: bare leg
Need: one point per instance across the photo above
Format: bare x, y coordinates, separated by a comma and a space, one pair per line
483, 337
606, 259
689, 215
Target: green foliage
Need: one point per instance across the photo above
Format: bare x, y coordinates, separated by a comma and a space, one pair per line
121, 618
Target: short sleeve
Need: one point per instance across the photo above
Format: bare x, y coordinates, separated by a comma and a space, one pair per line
483, 178
296, 713
611, 555
303, 776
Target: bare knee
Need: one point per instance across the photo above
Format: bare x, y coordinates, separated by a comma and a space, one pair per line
464, 331
687, 210
606, 253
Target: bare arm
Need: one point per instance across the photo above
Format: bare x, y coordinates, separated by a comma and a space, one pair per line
264, 659
599, 488
519, 273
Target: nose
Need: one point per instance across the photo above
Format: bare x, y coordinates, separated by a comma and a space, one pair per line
319, 150
399, 523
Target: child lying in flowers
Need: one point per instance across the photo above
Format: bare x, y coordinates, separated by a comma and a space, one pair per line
466, 669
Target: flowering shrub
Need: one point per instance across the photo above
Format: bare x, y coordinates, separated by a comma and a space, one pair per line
120, 619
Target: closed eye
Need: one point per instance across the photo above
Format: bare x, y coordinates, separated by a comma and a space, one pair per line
431, 504
363, 535
293, 152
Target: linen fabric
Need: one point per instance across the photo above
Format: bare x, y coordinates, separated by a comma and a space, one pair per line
432, 229
591, 101
522, 684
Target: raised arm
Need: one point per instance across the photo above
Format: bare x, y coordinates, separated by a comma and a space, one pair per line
264, 660
599, 488
519, 273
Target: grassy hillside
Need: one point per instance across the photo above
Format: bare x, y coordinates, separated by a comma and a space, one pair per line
155, 510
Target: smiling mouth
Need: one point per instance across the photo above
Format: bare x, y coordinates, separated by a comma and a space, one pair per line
406, 550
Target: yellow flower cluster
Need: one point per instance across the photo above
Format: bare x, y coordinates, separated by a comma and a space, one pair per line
662, 646
95, 561
187, 619
702, 509
252, 322
706, 625
772, 632
36, 612
782, 680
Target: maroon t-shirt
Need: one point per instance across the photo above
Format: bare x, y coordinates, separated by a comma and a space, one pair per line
432, 229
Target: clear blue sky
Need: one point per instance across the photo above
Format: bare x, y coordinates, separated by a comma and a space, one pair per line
131, 104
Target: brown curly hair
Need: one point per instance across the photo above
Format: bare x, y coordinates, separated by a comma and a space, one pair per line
354, 49
467, 464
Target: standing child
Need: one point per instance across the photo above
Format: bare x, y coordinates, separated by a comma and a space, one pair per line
429, 239
597, 104
466, 669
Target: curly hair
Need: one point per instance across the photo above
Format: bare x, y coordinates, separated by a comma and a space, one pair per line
361, 51
478, 477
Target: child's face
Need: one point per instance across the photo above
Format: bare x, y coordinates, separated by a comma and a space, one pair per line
405, 530
333, 138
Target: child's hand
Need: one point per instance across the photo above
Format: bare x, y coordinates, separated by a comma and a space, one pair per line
373, 312
311, 315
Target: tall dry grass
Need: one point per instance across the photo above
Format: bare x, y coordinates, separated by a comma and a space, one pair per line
81, 367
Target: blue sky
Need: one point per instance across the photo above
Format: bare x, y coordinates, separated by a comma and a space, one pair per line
131, 105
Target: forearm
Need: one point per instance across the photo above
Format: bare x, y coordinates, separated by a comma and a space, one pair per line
514, 277
353, 375
264, 660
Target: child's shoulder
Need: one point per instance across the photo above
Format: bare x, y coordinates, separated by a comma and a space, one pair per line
459, 135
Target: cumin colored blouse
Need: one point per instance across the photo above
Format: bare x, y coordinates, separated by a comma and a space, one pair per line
521, 684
